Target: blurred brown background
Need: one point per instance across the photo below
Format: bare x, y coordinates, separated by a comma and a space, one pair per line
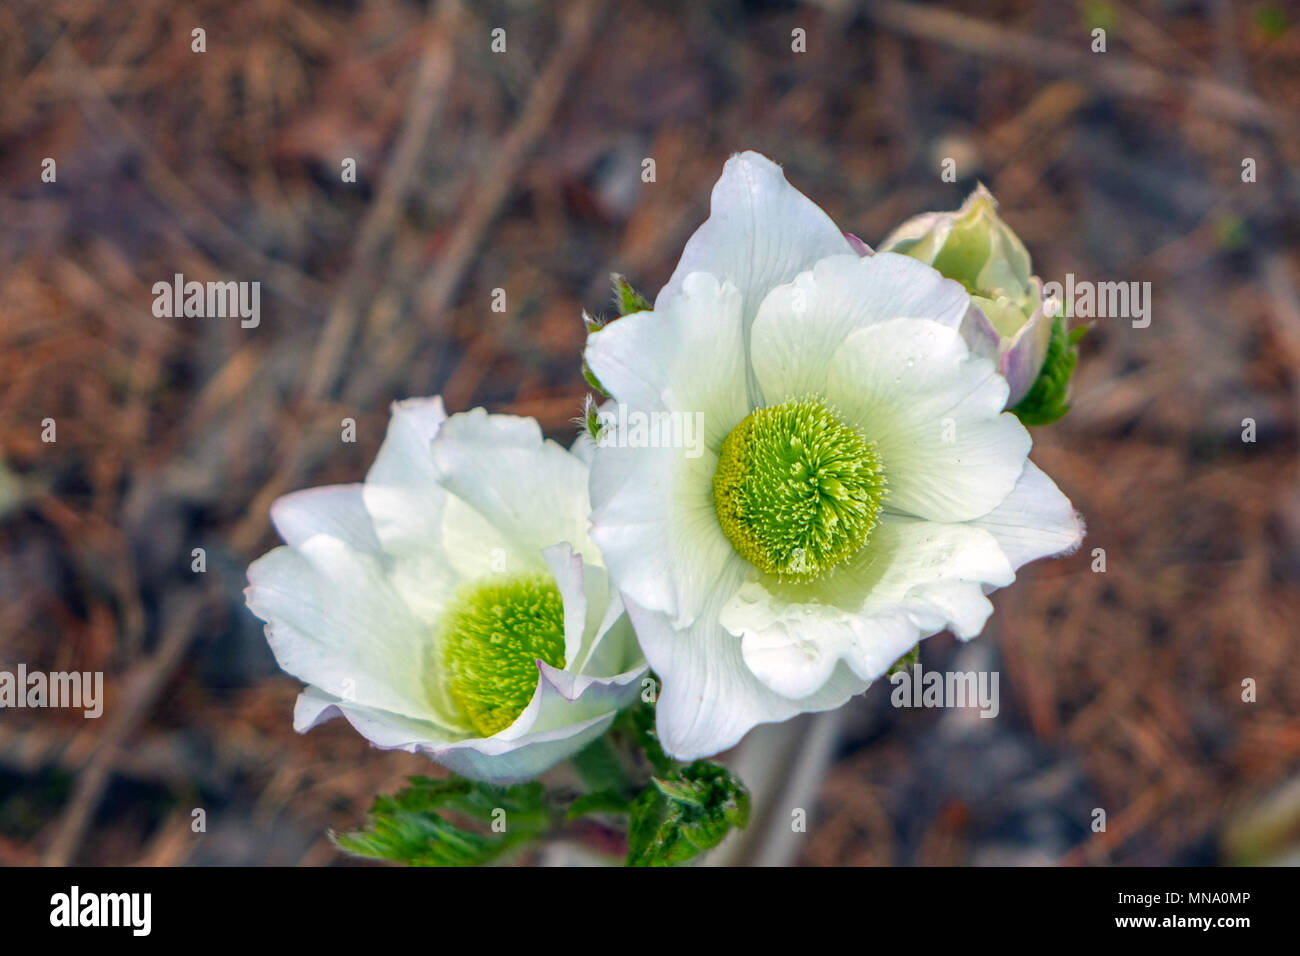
522, 171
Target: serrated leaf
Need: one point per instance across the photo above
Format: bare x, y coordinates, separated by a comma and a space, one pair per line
679, 817
681, 790
1047, 399
409, 826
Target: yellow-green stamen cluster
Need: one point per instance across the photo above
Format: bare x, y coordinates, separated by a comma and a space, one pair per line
491, 641
796, 490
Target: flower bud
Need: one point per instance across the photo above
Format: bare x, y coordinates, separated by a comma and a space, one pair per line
975, 247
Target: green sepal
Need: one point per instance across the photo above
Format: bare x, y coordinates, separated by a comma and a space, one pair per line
683, 815
592, 324
626, 299
408, 826
590, 419
590, 378
1047, 399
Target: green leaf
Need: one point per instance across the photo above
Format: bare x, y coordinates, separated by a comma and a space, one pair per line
407, 827
681, 816
685, 810
679, 789
1046, 401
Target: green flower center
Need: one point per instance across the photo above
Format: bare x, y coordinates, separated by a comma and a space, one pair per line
796, 490
491, 641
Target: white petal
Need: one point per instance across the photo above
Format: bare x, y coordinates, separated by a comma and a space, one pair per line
404, 458
599, 641
406, 518
406, 505
980, 336
613, 648
566, 568
335, 621
687, 356
794, 648
652, 507
1035, 521
801, 324
858, 246
710, 698
583, 448
563, 699
489, 759
385, 730
912, 579
494, 761
761, 232
335, 510
938, 225
567, 712
530, 489
655, 522
947, 450
1025, 354
436, 541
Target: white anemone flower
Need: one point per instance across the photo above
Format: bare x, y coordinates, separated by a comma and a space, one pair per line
452, 604
858, 486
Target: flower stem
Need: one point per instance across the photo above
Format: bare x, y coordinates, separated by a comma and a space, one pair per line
600, 768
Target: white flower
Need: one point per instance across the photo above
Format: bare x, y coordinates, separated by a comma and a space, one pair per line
860, 487
453, 603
